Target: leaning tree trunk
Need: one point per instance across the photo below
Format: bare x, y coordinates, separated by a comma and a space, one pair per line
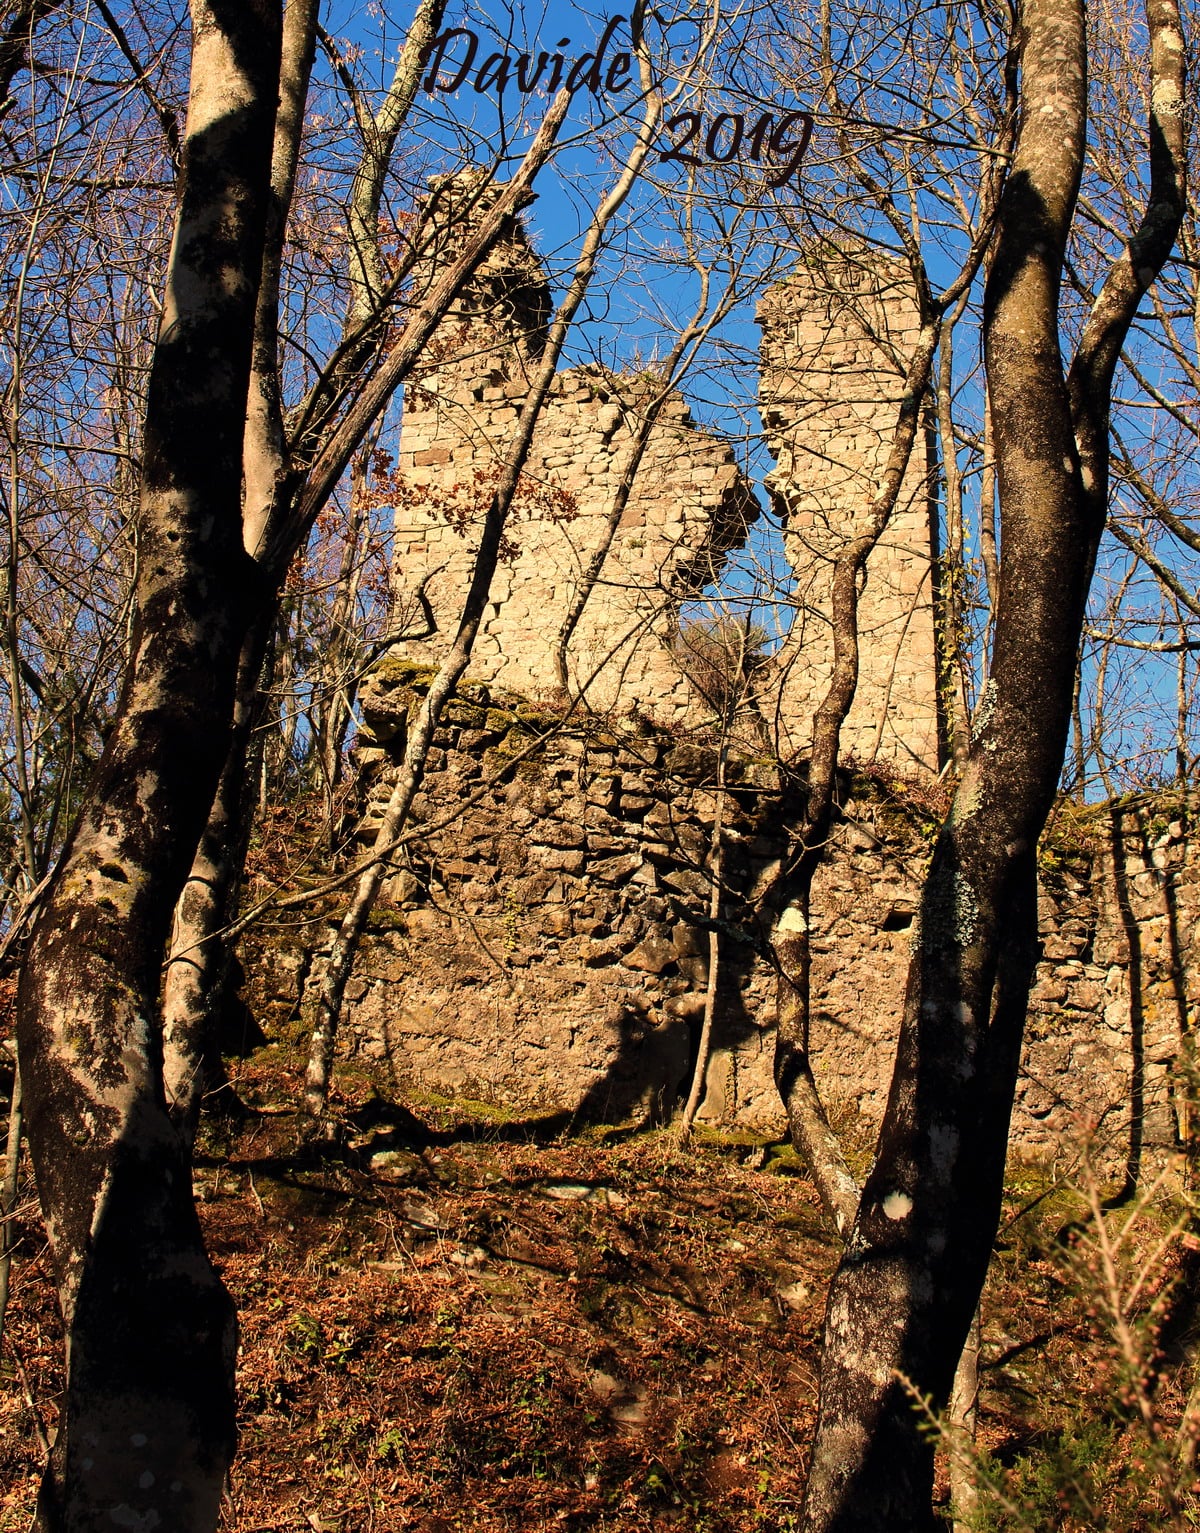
420, 739
791, 892
902, 1300
147, 1430
194, 981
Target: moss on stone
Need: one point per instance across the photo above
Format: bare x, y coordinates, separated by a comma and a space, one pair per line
468, 715
539, 719
399, 671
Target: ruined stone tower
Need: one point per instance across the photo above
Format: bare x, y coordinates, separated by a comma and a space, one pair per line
690, 505
836, 338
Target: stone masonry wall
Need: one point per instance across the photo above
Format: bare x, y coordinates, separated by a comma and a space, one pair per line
547, 949
834, 350
690, 504
837, 337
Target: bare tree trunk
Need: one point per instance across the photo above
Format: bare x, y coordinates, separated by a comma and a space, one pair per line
988, 555
716, 864
196, 971
338, 672
791, 892
8, 1191
199, 959
810, 1130
281, 504
951, 572
148, 1428
901, 1303
963, 1417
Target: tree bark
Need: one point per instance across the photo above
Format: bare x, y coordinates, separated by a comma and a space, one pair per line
791, 892
196, 970
716, 868
902, 1300
8, 1190
807, 1123
194, 983
147, 1430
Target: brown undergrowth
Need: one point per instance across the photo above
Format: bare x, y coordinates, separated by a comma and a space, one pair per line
450, 1321
474, 1326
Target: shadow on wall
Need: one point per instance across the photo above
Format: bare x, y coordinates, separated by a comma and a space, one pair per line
580, 985
1148, 845
545, 943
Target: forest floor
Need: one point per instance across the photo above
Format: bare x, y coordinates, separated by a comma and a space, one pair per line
458, 1322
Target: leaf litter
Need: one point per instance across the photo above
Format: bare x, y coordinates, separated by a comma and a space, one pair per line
491, 1330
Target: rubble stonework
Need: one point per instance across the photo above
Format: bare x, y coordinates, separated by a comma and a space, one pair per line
547, 948
689, 506
837, 337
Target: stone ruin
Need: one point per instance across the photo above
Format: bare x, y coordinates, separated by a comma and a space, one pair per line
833, 355
542, 943
837, 336
690, 503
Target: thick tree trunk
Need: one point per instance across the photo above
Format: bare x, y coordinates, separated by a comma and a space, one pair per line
901, 1302
147, 1429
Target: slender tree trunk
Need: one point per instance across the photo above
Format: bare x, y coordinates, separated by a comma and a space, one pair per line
8, 1191
808, 1125
420, 738
792, 891
901, 1303
950, 574
964, 1413
337, 675
147, 1429
194, 983
716, 863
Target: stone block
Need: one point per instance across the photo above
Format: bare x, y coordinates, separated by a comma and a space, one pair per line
614, 870
652, 955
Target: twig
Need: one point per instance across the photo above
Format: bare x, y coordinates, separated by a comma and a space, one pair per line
39, 1425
